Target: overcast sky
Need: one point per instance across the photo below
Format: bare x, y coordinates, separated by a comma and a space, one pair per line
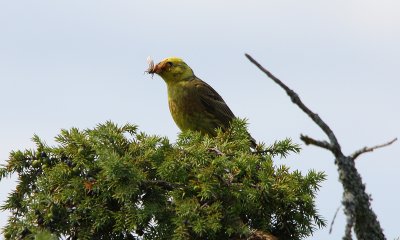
80, 63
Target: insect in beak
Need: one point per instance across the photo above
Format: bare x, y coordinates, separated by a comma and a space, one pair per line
151, 68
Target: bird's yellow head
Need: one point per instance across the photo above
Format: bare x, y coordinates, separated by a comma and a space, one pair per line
171, 69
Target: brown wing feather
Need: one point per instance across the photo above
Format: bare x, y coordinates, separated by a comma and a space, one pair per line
214, 104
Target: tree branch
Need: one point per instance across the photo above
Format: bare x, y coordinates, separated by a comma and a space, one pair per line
351, 214
323, 144
333, 220
216, 151
296, 100
356, 201
370, 149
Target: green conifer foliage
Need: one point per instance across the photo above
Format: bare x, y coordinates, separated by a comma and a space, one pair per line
113, 182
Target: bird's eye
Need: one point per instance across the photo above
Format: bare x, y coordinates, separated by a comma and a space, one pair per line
170, 64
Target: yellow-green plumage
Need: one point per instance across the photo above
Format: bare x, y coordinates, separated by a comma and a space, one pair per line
194, 105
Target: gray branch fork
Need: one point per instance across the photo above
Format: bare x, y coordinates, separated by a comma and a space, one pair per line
357, 206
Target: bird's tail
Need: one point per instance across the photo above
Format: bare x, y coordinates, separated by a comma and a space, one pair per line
253, 142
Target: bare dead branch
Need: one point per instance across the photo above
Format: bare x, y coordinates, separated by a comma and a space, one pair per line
356, 202
323, 144
349, 203
370, 149
348, 228
296, 100
216, 151
333, 220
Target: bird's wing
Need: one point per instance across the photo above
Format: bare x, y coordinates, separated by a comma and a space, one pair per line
214, 104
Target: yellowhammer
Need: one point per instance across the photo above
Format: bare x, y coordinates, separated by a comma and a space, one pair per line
194, 105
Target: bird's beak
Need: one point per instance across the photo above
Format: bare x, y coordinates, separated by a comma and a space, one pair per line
157, 68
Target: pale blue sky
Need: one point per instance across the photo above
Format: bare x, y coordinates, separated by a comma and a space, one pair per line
79, 63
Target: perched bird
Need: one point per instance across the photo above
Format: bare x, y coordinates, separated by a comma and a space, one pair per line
194, 105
